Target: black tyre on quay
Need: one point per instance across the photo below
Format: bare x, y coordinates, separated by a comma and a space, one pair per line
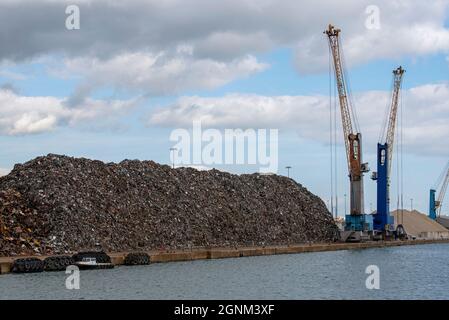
27, 265
137, 258
58, 263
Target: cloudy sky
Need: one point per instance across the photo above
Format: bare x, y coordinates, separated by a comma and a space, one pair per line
134, 71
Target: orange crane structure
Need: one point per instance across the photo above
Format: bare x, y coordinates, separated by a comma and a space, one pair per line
356, 220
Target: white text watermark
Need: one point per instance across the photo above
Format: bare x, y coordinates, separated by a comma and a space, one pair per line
208, 147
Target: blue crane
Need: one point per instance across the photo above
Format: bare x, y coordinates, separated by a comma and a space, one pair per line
436, 204
383, 221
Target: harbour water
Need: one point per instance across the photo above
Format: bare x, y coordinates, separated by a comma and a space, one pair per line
408, 272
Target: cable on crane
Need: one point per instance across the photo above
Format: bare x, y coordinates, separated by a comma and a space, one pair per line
402, 154
335, 152
333, 138
398, 174
330, 136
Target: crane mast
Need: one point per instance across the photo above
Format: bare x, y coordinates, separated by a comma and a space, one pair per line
436, 205
356, 220
382, 219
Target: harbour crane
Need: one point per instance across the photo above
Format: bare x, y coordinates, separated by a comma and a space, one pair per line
436, 205
383, 222
356, 220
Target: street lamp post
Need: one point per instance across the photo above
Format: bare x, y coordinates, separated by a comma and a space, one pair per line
346, 212
411, 204
172, 152
288, 170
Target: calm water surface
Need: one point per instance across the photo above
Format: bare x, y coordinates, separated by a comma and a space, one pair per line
411, 272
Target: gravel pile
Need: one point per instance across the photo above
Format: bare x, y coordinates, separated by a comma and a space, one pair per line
60, 204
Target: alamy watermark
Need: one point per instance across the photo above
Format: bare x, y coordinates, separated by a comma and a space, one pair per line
73, 21
372, 21
72, 282
210, 147
373, 280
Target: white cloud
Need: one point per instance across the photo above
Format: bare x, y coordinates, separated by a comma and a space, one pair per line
225, 30
392, 41
426, 115
173, 47
238, 110
225, 44
21, 115
162, 73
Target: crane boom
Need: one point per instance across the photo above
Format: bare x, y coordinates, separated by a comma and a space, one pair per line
397, 81
345, 107
357, 220
442, 193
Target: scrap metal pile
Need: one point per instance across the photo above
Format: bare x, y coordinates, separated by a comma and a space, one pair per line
58, 204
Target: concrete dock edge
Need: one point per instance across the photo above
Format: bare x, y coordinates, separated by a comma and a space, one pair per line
221, 253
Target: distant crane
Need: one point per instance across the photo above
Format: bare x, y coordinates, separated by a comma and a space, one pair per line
436, 205
356, 220
382, 220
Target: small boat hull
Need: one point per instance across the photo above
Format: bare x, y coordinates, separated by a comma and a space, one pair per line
82, 266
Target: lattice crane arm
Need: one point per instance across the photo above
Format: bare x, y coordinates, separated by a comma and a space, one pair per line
439, 202
397, 81
345, 107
